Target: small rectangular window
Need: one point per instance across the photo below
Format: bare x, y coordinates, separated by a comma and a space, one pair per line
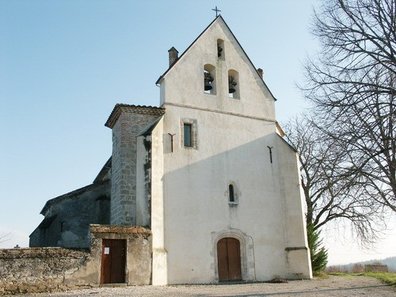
188, 135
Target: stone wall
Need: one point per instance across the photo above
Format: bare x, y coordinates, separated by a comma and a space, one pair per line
29, 270
44, 269
129, 125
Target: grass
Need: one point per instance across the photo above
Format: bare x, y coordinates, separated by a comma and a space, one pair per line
385, 277
321, 275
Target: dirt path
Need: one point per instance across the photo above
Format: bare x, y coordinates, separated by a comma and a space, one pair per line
335, 286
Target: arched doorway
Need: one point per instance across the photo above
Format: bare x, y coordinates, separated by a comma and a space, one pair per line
229, 259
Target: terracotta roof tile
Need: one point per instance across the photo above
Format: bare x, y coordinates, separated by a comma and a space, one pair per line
140, 109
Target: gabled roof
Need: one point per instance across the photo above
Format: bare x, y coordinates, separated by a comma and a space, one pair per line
141, 109
99, 180
46, 222
101, 177
147, 130
232, 34
69, 195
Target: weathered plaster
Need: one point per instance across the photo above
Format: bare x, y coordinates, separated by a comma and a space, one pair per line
138, 266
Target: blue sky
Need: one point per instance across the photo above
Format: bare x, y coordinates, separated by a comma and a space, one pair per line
64, 64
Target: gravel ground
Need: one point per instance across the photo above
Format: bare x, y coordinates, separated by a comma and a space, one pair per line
334, 286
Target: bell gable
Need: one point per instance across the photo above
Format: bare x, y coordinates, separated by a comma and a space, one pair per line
215, 73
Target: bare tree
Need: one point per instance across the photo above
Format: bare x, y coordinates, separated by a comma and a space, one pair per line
352, 86
4, 237
332, 189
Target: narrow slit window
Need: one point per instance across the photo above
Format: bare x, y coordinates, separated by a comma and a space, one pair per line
220, 49
231, 194
188, 135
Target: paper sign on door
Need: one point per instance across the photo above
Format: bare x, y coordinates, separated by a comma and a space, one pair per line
106, 250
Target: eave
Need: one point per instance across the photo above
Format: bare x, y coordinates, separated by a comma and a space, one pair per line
139, 109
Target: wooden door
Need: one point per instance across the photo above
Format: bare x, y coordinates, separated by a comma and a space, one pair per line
229, 259
113, 261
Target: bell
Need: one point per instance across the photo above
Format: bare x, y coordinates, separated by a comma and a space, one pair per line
219, 50
231, 85
208, 81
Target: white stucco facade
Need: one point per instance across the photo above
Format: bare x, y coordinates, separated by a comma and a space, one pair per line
234, 142
209, 173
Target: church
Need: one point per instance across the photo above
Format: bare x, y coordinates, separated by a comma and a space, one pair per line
207, 173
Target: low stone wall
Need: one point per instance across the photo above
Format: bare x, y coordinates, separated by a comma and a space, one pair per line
28, 270
46, 269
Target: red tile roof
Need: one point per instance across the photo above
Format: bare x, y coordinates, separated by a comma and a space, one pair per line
140, 109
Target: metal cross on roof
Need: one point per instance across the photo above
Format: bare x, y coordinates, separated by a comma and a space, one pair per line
217, 11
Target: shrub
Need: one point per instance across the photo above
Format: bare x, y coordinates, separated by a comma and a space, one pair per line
319, 254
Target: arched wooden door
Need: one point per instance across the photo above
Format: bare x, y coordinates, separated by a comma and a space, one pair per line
229, 259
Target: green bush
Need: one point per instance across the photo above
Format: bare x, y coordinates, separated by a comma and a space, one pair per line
318, 252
